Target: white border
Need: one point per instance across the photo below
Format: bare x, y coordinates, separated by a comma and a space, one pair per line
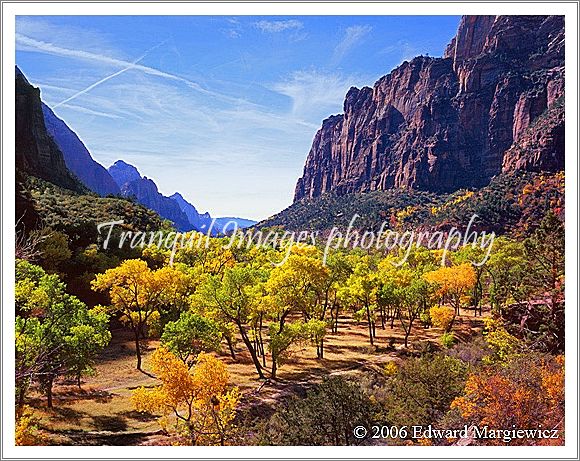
10, 10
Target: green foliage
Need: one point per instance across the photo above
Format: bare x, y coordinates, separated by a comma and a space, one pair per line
421, 390
56, 335
77, 215
527, 285
501, 207
501, 344
447, 339
190, 335
233, 298
331, 210
281, 340
54, 249
326, 416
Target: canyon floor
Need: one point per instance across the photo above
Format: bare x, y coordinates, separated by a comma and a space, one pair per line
100, 412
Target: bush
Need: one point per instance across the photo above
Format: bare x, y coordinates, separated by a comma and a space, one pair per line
327, 416
447, 340
421, 390
425, 318
442, 317
471, 352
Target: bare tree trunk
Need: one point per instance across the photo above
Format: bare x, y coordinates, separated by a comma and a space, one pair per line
252, 351
231, 347
370, 326
49, 392
138, 350
407, 333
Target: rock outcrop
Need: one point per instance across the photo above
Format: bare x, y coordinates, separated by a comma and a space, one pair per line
37, 154
440, 124
76, 156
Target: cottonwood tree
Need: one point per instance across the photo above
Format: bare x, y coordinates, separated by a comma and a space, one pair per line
299, 285
360, 291
453, 283
140, 294
413, 299
190, 335
234, 297
199, 398
56, 334
340, 269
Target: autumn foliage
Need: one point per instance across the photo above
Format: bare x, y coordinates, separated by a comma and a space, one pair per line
199, 400
442, 317
453, 283
525, 393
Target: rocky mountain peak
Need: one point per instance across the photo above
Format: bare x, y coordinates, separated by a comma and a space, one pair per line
441, 124
123, 172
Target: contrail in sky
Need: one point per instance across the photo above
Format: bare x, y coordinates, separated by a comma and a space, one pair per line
50, 48
108, 77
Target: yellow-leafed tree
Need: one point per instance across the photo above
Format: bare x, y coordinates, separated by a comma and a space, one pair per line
139, 293
199, 398
453, 283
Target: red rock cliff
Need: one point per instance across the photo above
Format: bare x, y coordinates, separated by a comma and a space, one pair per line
444, 123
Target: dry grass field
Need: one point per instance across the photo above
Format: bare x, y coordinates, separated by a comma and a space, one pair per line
100, 412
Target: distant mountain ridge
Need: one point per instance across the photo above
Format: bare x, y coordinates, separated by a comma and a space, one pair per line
47, 148
77, 157
204, 221
145, 191
226, 223
201, 221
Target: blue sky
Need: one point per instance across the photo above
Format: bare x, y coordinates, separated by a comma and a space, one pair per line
222, 109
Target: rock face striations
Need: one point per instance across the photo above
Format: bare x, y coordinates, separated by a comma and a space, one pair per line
492, 103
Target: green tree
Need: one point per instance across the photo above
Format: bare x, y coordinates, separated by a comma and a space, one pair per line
360, 291
56, 335
190, 335
233, 297
299, 285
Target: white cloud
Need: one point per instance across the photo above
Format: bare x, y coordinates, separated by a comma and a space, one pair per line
68, 36
25, 43
87, 111
404, 49
352, 37
315, 94
278, 26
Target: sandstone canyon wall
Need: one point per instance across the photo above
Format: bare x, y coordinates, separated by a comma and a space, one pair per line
492, 103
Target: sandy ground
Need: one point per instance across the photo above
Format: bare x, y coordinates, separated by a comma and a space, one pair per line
100, 413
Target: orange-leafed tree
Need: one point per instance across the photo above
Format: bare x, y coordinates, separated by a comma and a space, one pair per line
453, 283
139, 294
525, 393
199, 399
